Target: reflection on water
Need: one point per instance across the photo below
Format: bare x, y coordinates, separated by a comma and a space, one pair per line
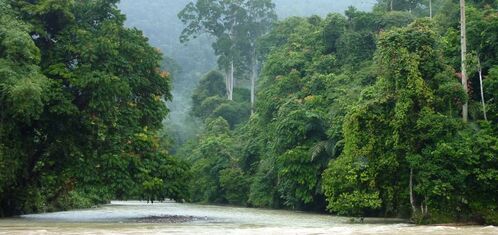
121, 217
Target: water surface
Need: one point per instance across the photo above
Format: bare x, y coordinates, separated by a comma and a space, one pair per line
123, 218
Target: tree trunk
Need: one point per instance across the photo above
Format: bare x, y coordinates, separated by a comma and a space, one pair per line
230, 87
412, 197
482, 89
426, 208
463, 33
227, 82
392, 5
254, 75
430, 9
231, 79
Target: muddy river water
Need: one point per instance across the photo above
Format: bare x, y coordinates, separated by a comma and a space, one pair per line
175, 218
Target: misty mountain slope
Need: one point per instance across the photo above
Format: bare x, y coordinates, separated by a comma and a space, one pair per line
159, 22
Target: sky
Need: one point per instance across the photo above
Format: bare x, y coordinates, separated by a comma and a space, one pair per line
287, 8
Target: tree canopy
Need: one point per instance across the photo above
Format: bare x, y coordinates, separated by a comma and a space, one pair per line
354, 114
359, 115
82, 100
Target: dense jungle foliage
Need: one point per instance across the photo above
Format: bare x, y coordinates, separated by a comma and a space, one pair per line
355, 114
358, 114
188, 62
81, 101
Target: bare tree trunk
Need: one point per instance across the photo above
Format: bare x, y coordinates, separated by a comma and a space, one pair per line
482, 89
412, 197
254, 75
230, 82
423, 208
231, 78
426, 211
392, 5
465, 108
228, 79
430, 9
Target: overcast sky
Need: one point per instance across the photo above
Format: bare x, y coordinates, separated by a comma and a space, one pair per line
287, 8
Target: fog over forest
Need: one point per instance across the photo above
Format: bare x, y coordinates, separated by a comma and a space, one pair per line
189, 62
286, 8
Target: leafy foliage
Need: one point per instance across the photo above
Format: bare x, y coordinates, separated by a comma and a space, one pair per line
359, 115
82, 100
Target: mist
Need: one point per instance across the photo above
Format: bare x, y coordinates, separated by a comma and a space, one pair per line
189, 62
287, 8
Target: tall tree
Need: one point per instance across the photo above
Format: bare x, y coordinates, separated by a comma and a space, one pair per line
430, 9
220, 19
483, 100
236, 24
463, 44
261, 16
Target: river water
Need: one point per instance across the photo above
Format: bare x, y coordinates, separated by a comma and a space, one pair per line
127, 218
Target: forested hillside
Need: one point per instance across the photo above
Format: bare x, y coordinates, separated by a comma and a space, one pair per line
188, 62
358, 114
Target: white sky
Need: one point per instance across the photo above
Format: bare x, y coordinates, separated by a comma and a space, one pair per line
287, 8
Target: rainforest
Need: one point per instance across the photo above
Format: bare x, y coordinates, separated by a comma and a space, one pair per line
385, 108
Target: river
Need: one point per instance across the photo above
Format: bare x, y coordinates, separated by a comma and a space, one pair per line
174, 218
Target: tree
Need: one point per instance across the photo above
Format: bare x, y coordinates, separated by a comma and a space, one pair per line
82, 100
210, 86
215, 175
236, 25
208, 101
491, 92
260, 19
24, 93
481, 27
298, 177
359, 115
430, 9
387, 130
217, 18
463, 41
